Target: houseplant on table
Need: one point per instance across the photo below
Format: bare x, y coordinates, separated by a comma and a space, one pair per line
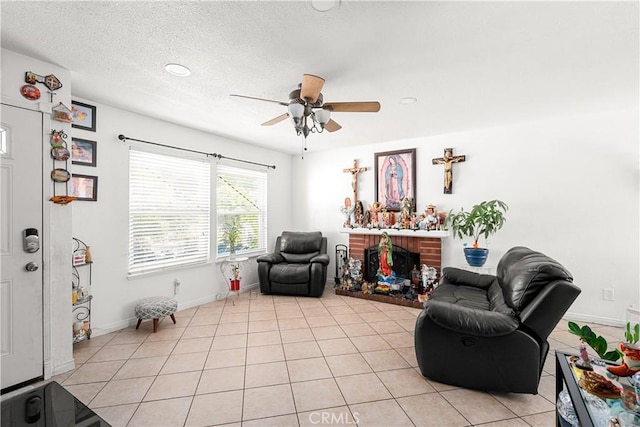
484, 219
232, 235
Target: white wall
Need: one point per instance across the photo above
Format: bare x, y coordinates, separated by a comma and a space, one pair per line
103, 225
572, 186
56, 233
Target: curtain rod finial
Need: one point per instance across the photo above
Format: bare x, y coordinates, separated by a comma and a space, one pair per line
121, 137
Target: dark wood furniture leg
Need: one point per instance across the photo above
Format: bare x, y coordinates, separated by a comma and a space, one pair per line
173, 318
155, 325
138, 325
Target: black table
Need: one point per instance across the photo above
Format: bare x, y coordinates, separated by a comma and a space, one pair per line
48, 405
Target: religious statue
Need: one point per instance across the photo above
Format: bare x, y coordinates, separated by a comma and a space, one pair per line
347, 210
359, 214
448, 160
354, 171
442, 218
406, 210
430, 219
374, 210
385, 257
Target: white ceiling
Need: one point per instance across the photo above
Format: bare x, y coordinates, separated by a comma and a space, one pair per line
470, 64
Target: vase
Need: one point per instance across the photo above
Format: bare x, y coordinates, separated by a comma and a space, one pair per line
476, 257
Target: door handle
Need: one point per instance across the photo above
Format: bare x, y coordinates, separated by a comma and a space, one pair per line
31, 266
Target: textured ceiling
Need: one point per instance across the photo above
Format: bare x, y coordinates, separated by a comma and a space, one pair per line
470, 64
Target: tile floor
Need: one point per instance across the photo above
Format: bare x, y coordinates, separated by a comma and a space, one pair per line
288, 361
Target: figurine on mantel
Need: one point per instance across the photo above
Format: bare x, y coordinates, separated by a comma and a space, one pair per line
347, 210
430, 220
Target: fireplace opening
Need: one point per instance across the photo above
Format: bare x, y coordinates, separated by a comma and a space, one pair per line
403, 262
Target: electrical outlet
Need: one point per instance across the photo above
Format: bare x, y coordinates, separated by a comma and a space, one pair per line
608, 294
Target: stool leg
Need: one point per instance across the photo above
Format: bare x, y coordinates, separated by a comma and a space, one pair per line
155, 325
173, 318
138, 325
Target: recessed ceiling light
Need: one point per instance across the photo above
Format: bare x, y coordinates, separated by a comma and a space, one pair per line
324, 5
177, 70
408, 100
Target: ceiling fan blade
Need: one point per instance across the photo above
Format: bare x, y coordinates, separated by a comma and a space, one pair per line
311, 87
353, 107
261, 99
332, 126
278, 119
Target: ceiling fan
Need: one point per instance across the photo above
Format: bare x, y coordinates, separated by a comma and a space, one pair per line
309, 111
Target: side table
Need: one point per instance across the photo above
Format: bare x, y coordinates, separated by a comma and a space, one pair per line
485, 269
230, 270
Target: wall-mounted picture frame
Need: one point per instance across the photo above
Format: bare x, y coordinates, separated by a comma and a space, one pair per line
84, 187
84, 116
395, 174
83, 152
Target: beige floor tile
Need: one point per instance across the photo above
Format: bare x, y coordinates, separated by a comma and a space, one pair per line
332, 302
339, 416
263, 326
547, 387
386, 413
98, 341
337, 346
166, 334
128, 337
146, 367
408, 325
189, 312
266, 374
385, 360
358, 330
265, 354
235, 309
150, 349
192, 345
399, 339
215, 409
234, 318
81, 355
169, 412
348, 319
365, 308
85, 392
308, 369
296, 335
184, 362
205, 319
117, 416
328, 332
524, 404
288, 313
513, 422
301, 350
375, 317
541, 420
315, 311
292, 323
320, 321
223, 379
405, 382
476, 406
255, 316
270, 401
409, 355
386, 327
362, 388
226, 358
200, 331
316, 394
340, 309
282, 421
114, 352
431, 410
232, 329
229, 341
347, 364
263, 338
94, 372
121, 392
173, 385
370, 343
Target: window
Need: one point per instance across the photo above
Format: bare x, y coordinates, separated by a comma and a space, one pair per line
242, 196
169, 211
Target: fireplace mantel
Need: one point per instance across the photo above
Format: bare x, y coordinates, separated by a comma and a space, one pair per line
433, 234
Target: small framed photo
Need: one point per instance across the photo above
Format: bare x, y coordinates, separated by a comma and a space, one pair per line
395, 173
84, 116
83, 152
84, 187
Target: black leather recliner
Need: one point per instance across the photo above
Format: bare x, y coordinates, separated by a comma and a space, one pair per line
298, 265
490, 332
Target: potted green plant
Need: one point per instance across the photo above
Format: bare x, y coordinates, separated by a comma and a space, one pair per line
484, 219
232, 234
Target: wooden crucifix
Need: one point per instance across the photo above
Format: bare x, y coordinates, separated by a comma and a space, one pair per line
448, 160
354, 171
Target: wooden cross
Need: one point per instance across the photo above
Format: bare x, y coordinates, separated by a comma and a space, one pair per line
448, 160
354, 171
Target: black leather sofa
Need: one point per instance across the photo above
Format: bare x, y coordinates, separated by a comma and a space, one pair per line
297, 266
490, 332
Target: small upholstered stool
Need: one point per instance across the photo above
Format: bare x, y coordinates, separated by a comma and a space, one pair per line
155, 308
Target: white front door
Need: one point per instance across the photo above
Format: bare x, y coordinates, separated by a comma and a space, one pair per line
21, 279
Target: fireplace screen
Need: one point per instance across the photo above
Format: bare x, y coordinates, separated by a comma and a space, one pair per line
403, 262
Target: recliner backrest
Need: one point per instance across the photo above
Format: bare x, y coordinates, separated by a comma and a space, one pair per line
300, 247
522, 273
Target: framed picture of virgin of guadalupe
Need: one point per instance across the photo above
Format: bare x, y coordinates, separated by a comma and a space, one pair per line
395, 177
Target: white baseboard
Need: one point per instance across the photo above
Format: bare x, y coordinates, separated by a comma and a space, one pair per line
580, 317
61, 368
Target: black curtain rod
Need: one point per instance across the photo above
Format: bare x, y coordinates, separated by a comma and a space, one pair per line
217, 155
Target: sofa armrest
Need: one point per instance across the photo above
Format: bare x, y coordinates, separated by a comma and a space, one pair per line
457, 276
322, 259
272, 258
468, 320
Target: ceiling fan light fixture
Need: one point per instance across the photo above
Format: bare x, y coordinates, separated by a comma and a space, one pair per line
323, 116
177, 70
296, 111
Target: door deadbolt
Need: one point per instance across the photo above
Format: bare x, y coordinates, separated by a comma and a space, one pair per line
31, 266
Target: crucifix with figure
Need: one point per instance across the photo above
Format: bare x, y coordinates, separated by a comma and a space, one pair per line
448, 160
354, 171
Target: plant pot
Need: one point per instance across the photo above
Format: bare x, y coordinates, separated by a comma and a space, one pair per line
476, 257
